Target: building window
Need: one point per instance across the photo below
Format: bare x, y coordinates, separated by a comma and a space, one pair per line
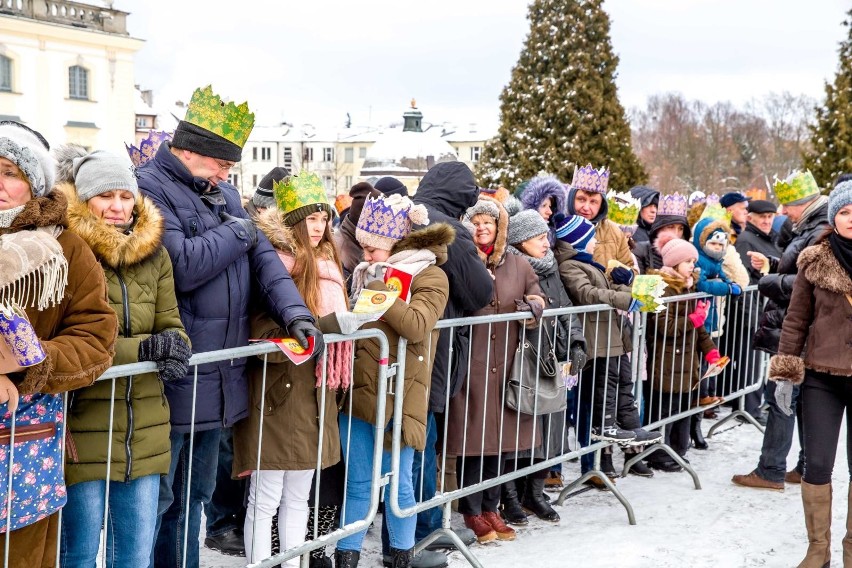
266, 153
233, 179
141, 122
254, 180
288, 158
348, 181
5, 73
475, 153
349, 155
328, 183
328, 154
254, 154
362, 152
78, 82
309, 155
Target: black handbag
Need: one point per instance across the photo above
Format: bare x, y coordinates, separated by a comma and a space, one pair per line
534, 386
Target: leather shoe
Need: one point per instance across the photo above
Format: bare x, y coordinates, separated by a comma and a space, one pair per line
666, 466
793, 476
229, 543
755, 481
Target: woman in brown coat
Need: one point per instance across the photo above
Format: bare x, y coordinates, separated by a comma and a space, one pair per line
816, 351
482, 432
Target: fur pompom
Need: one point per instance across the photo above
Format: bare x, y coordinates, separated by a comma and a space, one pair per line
663, 239
65, 156
787, 368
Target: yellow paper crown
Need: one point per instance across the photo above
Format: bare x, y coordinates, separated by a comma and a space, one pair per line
207, 110
623, 208
798, 185
303, 190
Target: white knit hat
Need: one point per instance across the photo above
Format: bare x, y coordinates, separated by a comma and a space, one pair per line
28, 150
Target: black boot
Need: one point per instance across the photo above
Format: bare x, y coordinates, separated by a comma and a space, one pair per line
606, 463
321, 562
639, 468
510, 506
346, 558
698, 441
534, 501
401, 558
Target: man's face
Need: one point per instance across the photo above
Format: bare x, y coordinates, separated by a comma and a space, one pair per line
794, 212
649, 213
739, 213
587, 204
763, 221
212, 169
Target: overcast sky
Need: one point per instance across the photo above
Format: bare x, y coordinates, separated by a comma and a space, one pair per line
316, 60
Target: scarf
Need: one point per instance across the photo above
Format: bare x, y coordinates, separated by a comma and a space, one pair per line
34, 270
809, 211
584, 256
486, 249
541, 266
8, 216
842, 249
410, 261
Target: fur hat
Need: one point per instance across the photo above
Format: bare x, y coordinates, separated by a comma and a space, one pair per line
28, 150
386, 220
526, 225
94, 173
674, 250
575, 230
263, 196
840, 197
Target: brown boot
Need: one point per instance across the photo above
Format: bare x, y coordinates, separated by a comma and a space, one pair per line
754, 480
847, 540
504, 531
816, 500
480, 527
793, 476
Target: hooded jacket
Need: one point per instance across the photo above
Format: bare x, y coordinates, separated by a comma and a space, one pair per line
537, 191
612, 242
447, 191
646, 196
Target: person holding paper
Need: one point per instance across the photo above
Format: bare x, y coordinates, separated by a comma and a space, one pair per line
385, 232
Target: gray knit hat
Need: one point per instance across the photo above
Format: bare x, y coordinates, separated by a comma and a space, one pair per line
840, 197
526, 225
28, 150
94, 173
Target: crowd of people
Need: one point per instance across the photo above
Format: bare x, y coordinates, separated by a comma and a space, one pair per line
113, 265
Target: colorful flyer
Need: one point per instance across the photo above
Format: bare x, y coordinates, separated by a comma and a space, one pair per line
292, 349
399, 281
374, 301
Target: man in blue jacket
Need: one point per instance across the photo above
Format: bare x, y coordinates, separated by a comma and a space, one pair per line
221, 264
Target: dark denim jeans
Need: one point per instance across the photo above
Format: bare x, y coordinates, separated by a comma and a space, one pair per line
226, 510
778, 437
175, 495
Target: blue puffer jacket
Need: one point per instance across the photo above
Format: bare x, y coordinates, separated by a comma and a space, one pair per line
712, 278
215, 273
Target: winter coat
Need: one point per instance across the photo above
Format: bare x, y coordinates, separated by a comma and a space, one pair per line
607, 333
447, 191
414, 321
646, 196
216, 271
753, 239
292, 403
777, 286
351, 253
478, 416
712, 278
142, 294
647, 257
612, 242
817, 331
78, 336
675, 347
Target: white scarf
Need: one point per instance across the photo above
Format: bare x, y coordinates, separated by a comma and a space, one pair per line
411, 261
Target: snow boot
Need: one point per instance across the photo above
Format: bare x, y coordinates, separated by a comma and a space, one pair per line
817, 503
606, 465
346, 558
535, 503
480, 527
639, 468
510, 506
504, 531
698, 441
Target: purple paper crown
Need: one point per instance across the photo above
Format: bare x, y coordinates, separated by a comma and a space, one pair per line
589, 179
673, 204
147, 148
380, 219
712, 199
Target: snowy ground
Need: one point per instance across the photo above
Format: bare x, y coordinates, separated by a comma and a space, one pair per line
719, 526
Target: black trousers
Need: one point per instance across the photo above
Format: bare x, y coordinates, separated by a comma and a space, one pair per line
825, 399
662, 405
471, 470
607, 388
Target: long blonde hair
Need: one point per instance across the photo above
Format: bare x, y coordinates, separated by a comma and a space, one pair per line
305, 273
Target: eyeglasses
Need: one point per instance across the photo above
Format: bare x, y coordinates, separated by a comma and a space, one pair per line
226, 166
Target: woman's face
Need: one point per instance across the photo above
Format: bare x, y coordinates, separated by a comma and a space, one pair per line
14, 187
114, 207
686, 268
843, 222
486, 230
374, 255
316, 224
546, 209
536, 247
675, 229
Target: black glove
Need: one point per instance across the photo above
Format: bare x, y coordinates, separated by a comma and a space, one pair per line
621, 275
169, 351
578, 358
300, 330
246, 228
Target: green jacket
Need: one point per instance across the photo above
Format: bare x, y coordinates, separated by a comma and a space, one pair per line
141, 291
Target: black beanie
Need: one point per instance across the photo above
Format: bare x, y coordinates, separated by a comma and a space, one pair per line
359, 193
190, 137
391, 186
263, 196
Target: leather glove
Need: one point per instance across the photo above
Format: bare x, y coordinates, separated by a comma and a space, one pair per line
169, 351
578, 358
634, 305
245, 226
713, 356
300, 330
736, 290
621, 275
784, 396
699, 316
531, 304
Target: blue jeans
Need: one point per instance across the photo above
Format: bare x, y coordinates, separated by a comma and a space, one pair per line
360, 463
226, 510
131, 520
172, 507
778, 437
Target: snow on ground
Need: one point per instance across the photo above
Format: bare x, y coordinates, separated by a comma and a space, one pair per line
720, 526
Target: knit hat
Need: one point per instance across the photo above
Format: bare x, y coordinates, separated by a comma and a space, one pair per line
525, 225
840, 197
391, 186
299, 196
386, 220
675, 250
575, 230
28, 150
94, 173
263, 195
482, 207
359, 193
798, 189
213, 128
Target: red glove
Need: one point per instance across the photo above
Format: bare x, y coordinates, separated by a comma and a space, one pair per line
699, 316
712, 357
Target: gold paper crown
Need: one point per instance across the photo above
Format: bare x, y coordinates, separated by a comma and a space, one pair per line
206, 110
622, 208
798, 185
294, 192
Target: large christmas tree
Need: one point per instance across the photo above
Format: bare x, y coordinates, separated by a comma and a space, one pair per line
831, 135
560, 108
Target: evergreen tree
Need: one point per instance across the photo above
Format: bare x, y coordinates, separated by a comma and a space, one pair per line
831, 134
561, 108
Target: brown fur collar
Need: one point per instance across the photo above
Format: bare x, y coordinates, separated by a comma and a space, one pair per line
709, 228
271, 223
112, 247
500, 242
822, 269
436, 238
41, 212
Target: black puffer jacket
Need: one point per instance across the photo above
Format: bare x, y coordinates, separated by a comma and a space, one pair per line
778, 286
753, 239
646, 196
447, 190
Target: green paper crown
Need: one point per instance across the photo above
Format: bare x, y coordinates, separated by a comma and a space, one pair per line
623, 208
231, 122
798, 185
717, 213
298, 191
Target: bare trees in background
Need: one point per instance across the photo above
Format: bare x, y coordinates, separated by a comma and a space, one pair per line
687, 145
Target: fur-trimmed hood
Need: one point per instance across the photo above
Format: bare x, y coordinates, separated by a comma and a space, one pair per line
436, 238
675, 283
500, 242
271, 223
112, 247
706, 227
822, 269
543, 187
